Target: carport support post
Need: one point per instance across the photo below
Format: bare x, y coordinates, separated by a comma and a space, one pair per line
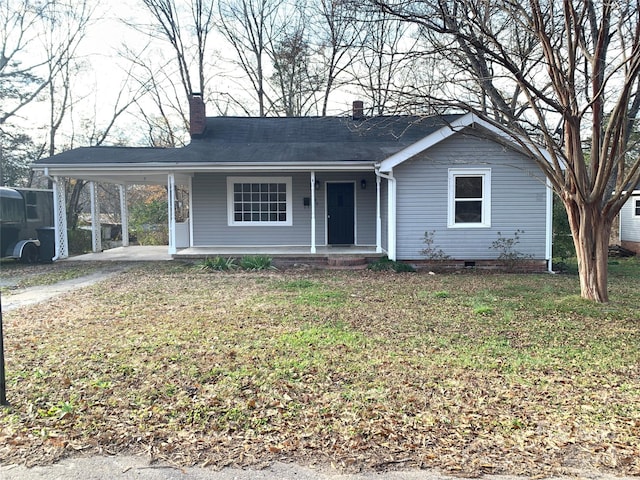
96, 236
171, 192
124, 215
60, 219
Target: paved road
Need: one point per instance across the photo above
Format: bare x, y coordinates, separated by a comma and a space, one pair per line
138, 468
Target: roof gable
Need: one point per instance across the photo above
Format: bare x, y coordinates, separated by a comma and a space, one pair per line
449, 129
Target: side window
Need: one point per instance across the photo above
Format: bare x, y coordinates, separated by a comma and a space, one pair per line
637, 208
469, 198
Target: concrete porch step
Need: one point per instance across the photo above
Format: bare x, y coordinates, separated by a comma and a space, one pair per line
346, 261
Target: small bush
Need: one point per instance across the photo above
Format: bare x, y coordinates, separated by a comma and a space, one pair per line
151, 234
385, 264
218, 264
508, 253
256, 262
79, 241
430, 250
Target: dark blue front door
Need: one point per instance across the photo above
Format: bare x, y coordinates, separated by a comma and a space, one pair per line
340, 213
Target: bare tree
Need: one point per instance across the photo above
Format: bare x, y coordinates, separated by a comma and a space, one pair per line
385, 62
336, 32
251, 26
296, 78
563, 75
21, 74
188, 49
64, 25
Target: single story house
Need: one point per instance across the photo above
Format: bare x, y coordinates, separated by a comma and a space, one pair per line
630, 223
334, 185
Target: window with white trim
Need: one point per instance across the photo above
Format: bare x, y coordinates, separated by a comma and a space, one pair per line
469, 197
259, 201
637, 208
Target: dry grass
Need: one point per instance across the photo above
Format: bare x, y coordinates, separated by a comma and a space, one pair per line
469, 373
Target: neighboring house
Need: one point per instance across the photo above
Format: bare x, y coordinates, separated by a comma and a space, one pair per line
630, 223
336, 185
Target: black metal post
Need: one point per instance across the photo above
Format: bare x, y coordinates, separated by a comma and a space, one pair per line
3, 383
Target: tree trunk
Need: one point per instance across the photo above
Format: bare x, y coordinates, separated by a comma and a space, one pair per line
591, 231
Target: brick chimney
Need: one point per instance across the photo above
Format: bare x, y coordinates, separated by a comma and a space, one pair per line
358, 110
197, 115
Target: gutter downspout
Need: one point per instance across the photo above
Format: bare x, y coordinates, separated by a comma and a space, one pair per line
549, 243
391, 209
378, 215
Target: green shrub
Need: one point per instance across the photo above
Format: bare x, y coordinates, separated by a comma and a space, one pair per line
79, 241
385, 264
256, 262
152, 235
148, 222
219, 264
563, 247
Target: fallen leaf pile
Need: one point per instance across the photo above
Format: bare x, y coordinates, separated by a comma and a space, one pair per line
501, 374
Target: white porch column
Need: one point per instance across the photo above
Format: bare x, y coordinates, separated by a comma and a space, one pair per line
378, 216
96, 234
60, 220
171, 192
313, 212
391, 205
191, 211
124, 215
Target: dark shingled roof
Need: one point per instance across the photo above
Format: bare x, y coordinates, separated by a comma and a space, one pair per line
272, 140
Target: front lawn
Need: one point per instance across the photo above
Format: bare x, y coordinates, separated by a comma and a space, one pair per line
471, 373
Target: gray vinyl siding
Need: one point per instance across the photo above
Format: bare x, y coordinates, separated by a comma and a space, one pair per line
629, 222
518, 201
210, 222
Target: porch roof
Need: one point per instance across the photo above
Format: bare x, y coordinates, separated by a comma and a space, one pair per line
263, 143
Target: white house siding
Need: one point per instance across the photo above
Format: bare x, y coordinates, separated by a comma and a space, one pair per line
210, 222
630, 224
518, 201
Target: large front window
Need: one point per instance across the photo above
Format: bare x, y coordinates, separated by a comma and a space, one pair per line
259, 200
469, 197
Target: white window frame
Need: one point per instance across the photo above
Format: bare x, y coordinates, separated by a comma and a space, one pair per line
231, 221
485, 173
636, 207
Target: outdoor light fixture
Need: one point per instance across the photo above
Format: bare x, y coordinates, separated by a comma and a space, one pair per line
363, 184
317, 184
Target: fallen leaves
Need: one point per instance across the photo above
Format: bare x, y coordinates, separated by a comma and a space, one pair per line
360, 370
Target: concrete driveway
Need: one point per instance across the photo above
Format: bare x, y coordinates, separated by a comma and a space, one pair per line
134, 253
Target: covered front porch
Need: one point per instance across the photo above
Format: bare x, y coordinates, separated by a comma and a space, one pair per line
281, 256
309, 198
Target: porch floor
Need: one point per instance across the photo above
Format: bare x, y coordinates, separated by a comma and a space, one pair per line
275, 251
283, 255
